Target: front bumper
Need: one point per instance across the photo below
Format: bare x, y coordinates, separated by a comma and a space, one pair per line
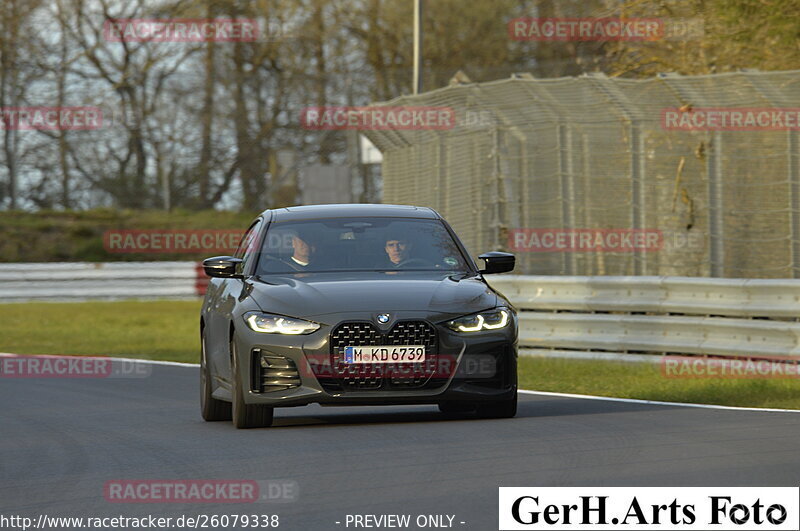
476, 367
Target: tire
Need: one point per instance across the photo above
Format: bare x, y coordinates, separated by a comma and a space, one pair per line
246, 416
455, 408
211, 409
500, 410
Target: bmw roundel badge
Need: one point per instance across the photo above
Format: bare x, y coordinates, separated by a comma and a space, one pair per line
383, 318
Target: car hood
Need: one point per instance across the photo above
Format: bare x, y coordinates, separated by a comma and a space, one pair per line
316, 294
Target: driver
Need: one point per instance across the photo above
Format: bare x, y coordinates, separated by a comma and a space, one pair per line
398, 249
304, 248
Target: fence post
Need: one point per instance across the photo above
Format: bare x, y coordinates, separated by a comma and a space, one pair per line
794, 182
773, 96
501, 121
566, 179
566, 175
501, 219
441, 162
612, 93
716, 220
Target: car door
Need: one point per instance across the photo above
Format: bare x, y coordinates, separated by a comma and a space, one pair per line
222, 305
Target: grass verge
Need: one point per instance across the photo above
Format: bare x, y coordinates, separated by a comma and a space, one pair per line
645, 381
168, 330
157, 330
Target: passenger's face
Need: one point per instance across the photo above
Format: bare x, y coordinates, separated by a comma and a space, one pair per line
397, 250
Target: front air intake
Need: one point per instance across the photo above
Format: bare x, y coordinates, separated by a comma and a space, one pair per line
272, 372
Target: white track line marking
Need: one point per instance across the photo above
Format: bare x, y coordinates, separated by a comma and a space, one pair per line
658, 402
157, 362
597, 356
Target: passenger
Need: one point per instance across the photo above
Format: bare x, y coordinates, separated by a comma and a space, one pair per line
398, 250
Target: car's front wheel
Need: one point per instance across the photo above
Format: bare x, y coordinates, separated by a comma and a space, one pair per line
210, 408
246, 415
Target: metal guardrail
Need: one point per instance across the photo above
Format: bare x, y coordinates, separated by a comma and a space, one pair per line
676, 315
21, 282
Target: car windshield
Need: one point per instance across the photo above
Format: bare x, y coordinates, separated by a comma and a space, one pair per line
359, 244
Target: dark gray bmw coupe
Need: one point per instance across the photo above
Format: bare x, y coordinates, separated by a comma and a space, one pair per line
354, 305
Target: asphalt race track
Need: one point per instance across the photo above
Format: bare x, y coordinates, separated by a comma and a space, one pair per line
62, 439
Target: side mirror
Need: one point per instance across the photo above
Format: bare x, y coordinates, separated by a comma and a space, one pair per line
498, 262
222, 267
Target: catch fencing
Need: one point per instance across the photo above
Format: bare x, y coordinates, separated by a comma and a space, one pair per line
599, 155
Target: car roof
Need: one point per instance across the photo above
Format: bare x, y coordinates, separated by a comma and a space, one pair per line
353, 210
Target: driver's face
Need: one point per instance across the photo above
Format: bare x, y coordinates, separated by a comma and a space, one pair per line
397, 250
302, 249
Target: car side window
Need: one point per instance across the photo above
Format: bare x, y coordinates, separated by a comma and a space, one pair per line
246, 249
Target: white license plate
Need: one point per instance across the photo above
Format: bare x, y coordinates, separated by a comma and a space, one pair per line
385, 354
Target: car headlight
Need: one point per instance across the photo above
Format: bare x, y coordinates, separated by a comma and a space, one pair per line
491, 320
268, 323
